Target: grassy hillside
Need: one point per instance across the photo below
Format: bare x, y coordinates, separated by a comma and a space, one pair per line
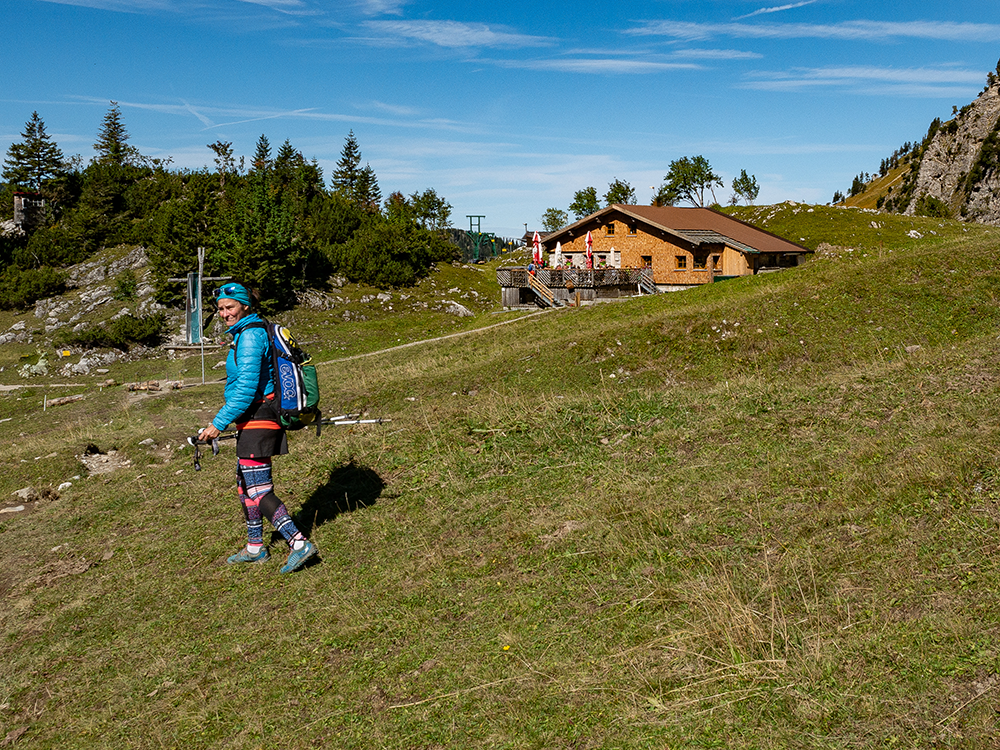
762, 513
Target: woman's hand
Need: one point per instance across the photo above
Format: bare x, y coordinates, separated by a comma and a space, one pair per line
209, 433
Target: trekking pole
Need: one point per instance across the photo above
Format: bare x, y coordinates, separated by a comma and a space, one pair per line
196, 441
340, 422
346, 420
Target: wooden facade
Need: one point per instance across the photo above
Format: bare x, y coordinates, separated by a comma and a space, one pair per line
637, 249
683, 246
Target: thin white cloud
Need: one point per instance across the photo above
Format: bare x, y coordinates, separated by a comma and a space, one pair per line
870, 73
846, 31
204, 120
121, 6
716, 54
214, 117
776, 9
673, 56
597, 65
381, 7
450, 34
399, 110
291, 7
909, 82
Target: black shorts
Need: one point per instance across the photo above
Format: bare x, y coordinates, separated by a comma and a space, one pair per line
262, 435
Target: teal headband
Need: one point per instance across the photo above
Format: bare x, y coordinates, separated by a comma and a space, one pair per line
234, 291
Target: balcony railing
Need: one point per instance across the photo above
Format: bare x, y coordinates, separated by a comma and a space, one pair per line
578, 278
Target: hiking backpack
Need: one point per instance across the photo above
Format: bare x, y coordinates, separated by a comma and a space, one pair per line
296, 386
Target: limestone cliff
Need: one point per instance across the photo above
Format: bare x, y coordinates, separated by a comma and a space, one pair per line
959, 169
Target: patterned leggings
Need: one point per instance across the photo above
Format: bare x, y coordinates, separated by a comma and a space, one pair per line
256, 492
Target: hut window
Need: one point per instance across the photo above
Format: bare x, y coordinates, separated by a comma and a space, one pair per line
700, 261
682, 261
610, 229
647, 261
631, 230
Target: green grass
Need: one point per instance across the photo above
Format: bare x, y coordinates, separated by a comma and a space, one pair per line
758, 514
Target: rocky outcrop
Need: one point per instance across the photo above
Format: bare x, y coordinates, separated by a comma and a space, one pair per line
960, 165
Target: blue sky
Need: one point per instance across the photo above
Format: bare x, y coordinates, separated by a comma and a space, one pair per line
507, 109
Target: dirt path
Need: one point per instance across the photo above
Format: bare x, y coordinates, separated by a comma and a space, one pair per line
7, 388
436, 338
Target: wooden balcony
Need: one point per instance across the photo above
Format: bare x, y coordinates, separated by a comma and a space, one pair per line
570, 285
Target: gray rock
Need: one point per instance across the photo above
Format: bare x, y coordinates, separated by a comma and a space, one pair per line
950, 156
96, 271
454, 308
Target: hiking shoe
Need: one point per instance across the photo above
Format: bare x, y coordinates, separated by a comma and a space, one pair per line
245, 556
297, 557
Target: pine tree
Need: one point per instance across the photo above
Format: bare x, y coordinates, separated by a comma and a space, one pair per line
34, 161
346, 175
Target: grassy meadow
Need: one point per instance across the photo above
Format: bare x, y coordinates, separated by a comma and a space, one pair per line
758, 514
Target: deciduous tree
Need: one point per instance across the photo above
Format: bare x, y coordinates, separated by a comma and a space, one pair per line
585, 202
225, 162
554, 219
621, 192
431, 210
688, 179
745, 186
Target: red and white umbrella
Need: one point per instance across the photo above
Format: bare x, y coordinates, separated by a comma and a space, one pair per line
590, 250
537, 242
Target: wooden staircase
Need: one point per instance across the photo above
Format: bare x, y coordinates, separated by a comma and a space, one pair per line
543, 293
646, 284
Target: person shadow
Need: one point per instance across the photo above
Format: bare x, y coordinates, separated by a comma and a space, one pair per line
349, 488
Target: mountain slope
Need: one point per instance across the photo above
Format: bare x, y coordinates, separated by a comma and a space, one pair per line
760, 513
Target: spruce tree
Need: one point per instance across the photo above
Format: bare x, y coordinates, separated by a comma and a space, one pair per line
346, 175
34, 161
262, 156
367, 193
112, 145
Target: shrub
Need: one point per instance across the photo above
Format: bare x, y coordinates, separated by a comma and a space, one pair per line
120, 333
928, 205
389, 253
60, 244
126, 285
20, 288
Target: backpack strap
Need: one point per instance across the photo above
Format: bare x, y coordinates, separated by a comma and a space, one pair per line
270, 348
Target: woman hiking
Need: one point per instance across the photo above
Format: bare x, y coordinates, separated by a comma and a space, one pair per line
259, 436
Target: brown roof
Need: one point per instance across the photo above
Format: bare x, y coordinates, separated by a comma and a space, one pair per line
696, 225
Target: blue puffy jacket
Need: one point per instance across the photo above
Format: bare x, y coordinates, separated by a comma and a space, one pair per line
248, 370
